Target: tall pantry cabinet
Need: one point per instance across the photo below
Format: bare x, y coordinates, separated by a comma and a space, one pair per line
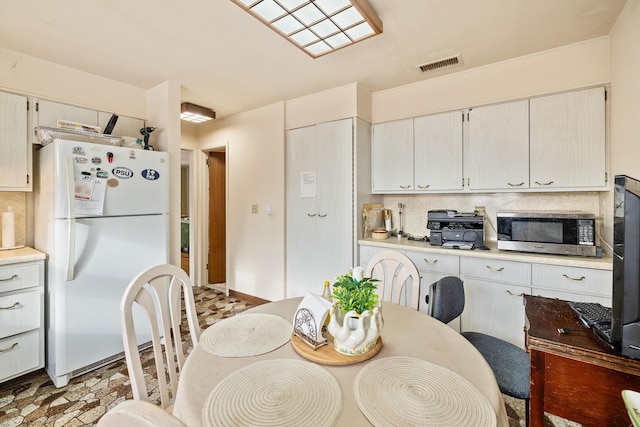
328, 180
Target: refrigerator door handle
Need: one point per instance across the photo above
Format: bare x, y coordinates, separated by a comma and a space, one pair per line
71, 236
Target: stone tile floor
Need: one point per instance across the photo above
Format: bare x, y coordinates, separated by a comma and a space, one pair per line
32, 400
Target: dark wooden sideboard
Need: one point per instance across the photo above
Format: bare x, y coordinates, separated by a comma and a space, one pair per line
574, 375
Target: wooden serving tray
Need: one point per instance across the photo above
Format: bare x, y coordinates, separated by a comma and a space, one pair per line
326, 354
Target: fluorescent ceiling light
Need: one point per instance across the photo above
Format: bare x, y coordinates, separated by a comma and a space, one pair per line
195, 113
317, 27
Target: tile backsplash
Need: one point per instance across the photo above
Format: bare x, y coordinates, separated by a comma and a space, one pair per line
17, 201
415, 206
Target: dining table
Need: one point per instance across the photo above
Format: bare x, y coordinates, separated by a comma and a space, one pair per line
436, 364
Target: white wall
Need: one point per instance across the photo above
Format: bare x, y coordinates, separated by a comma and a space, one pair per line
625, 99
255, 171
568, 67
32, 76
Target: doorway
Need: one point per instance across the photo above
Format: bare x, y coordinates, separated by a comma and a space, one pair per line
184, 210
217, 217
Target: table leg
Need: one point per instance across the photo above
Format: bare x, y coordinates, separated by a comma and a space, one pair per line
536, 404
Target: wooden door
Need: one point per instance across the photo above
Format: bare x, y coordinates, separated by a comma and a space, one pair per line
217, 217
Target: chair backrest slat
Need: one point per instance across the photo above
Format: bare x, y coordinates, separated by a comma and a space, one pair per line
395, 271
159, 292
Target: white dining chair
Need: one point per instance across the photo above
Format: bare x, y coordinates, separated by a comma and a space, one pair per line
138, 413
159, 291
395, 271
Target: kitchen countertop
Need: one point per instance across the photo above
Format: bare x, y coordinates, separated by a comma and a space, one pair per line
25, 254
604, 263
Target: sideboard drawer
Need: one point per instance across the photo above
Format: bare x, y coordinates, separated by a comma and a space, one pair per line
19, 353
19, 313
20, 276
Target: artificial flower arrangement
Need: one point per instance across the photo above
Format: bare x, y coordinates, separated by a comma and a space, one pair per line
354, 292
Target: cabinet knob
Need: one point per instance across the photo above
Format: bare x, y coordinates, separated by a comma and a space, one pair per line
322, 215
495, 269
544, 183
404, 187
15, 276
515, 185
424, 186
311, 215
514, 294
430, 262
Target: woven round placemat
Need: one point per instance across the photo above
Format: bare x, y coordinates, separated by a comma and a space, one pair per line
280, 392
248, 334
404, 391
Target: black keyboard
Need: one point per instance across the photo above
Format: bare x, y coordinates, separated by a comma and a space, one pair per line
595, 316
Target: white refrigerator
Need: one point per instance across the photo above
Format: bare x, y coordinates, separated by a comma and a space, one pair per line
101, 216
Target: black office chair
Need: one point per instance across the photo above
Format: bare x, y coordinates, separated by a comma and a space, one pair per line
511, 365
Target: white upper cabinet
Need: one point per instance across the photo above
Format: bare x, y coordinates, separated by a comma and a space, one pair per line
392, 156
15, 150
125, 126
438, 152
48, 113
567, 143
497, 154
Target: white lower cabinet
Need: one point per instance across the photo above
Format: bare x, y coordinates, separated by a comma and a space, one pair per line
433, 267
494, 292
494, 287
21, 318
572, 283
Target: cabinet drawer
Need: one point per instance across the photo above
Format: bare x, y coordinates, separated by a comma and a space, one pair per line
518, 273
19, 313
573, 279
570, 296
367, 252
19, 353
20, 276
436, 263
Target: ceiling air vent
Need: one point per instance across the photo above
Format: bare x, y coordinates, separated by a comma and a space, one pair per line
441, 63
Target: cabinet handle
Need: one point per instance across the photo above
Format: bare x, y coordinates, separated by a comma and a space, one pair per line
521, 294
495, 269
311, 215
9, 348
515, 185
404, 187
322, 216
577, 279
15, 276
15, 304
424, 186
430, 262
544, 183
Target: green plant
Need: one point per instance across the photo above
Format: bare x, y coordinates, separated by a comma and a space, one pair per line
352, 291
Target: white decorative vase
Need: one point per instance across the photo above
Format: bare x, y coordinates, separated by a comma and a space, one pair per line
353, 333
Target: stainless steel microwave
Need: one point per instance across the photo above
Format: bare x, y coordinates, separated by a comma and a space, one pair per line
560, 232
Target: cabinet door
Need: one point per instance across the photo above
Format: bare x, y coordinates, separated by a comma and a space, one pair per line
125, 126
497, 154
335, 219
48, 113
568, 140
15, 151
438, 152
301, 211
495, 309
392, 156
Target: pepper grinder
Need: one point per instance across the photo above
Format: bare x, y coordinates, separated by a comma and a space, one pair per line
400, 220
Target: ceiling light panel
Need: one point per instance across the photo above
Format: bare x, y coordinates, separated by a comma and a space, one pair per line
317, 27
